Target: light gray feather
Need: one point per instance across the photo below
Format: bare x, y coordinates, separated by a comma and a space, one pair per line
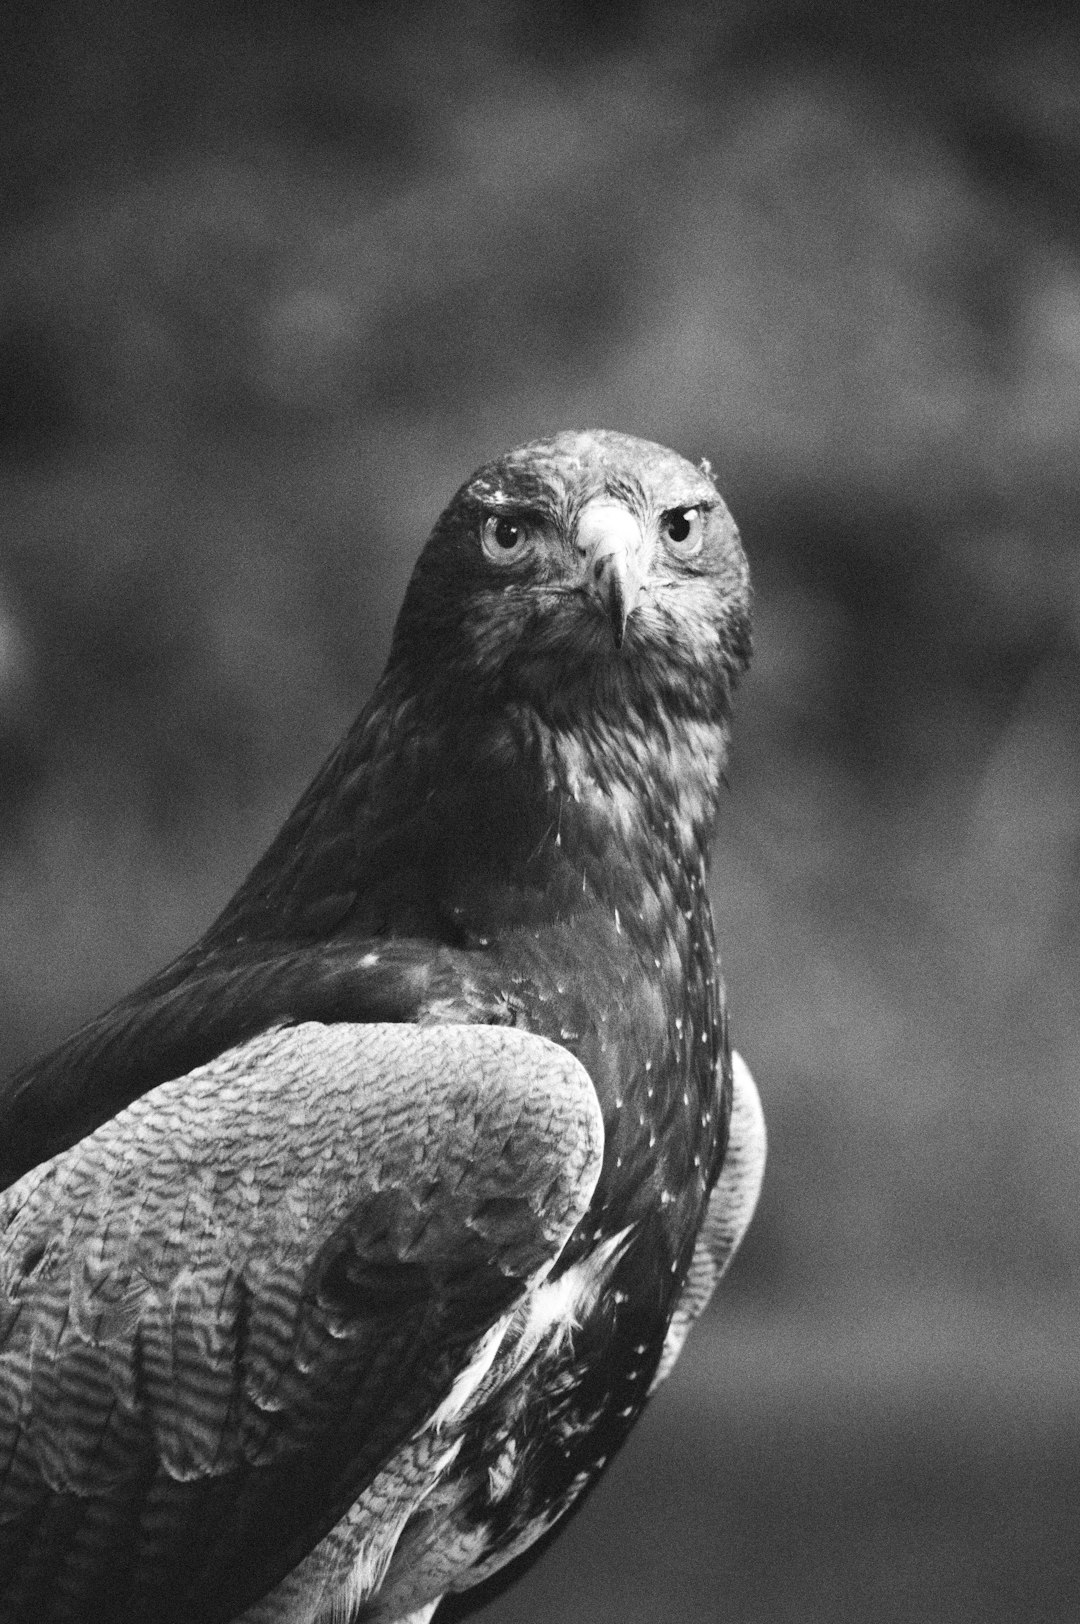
731, 1207
169, 1286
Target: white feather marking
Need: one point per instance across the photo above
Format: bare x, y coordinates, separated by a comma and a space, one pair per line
423, 1614
501, 1472
557, 1308
373, 1558
469, 1379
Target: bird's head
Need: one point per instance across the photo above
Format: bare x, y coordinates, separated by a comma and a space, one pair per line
590, 569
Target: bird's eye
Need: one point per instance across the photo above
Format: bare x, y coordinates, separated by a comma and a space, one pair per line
684, 529
505, 537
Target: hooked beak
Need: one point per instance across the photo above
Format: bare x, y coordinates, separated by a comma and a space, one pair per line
612, 547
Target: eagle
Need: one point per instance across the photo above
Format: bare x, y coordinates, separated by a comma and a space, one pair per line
339, 1259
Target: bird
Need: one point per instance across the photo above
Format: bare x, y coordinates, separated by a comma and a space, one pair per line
339, 1259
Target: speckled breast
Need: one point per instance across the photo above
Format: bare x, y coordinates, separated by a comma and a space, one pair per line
573, 1371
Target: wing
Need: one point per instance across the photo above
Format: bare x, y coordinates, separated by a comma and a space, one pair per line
731, 1207
210, 1001
223, 1311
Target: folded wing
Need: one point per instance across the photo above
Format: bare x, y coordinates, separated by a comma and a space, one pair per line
223, 1311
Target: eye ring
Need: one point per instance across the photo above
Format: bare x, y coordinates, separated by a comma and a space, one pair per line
683, 529
504, 537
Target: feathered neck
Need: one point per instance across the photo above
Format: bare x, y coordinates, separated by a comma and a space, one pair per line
651, 773
429, 799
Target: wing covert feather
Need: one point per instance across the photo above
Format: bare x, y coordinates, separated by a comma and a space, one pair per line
227, 1306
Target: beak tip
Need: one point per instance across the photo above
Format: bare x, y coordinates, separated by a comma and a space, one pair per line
610, 540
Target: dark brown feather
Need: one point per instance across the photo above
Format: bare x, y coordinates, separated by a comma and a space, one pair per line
515, 833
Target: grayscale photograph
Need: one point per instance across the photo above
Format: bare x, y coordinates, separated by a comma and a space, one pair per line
540, 812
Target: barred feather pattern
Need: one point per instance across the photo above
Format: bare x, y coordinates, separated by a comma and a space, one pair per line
172, 1325
385, 1365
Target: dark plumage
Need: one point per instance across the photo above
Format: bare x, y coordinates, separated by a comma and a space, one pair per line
424, 1179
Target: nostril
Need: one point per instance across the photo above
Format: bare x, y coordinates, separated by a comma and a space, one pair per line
599, 568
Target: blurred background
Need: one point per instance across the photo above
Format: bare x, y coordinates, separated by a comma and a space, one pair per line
272, 283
